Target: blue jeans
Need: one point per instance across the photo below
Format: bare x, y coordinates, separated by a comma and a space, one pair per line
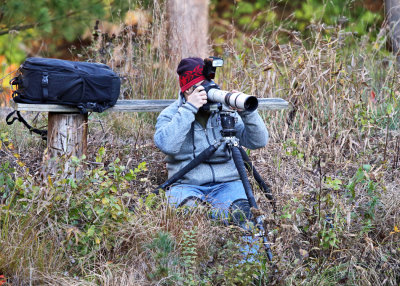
219, 195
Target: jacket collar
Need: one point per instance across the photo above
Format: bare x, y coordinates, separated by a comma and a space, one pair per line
181, 99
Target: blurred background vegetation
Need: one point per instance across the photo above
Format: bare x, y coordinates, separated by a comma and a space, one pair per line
60, 29
250, 15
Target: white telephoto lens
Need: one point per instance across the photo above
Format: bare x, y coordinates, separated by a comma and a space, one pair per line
237, 99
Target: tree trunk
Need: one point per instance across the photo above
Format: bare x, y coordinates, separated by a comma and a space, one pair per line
392, 11
188, 29
373, 5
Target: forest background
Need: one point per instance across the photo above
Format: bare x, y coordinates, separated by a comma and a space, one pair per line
332, 161
62, 29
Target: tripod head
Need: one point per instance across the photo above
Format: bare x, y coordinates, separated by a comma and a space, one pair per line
226, 117
227, 123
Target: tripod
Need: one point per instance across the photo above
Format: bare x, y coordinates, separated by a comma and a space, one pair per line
240, 158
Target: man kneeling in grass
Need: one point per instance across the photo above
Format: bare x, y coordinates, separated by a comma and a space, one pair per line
184, 130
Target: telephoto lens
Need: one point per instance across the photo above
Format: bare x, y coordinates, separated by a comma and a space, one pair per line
237, 100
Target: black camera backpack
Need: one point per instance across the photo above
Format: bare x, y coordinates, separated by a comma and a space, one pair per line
87, 86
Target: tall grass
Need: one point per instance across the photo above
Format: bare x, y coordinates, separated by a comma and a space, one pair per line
332, 162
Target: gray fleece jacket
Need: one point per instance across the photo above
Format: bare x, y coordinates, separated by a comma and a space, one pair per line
182, 138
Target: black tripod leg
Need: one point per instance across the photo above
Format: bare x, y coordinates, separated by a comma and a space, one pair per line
257, 176
237, 158
206, 154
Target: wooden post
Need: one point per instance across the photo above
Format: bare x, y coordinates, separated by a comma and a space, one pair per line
66, 137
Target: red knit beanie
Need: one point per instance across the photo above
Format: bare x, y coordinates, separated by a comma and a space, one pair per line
190, 71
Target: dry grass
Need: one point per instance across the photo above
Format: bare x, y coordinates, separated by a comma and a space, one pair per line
335, 126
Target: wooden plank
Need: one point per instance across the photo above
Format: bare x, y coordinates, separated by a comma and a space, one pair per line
272, 104
139, 106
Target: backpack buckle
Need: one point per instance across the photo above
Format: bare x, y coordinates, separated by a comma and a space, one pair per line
14, 81
45, 84
45, 80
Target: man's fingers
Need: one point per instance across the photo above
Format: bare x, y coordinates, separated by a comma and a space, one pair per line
200, 88
201, 94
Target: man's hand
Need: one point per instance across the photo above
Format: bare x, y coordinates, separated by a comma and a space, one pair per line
198, 97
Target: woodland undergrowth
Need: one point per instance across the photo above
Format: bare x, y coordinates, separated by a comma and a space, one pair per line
332, 163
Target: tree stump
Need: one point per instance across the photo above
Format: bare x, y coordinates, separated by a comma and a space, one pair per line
66, 137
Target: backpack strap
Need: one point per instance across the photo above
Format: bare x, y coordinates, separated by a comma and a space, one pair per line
82, 108
93, 106
100, 107
42, 133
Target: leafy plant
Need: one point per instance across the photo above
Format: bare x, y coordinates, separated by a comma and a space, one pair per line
293, 149
328, 236
7, 182
162, 251
334, 184
362, 182
189, 255
99, 211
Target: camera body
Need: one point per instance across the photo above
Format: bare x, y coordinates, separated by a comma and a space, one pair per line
217, 96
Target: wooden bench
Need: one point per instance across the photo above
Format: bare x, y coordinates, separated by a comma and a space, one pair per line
67, 129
